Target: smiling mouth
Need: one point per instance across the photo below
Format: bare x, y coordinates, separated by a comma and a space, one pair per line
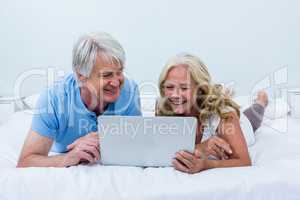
110, 91
177, 102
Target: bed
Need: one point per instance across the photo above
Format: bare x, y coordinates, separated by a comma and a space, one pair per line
275, 173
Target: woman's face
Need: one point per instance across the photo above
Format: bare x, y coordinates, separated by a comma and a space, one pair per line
179, 89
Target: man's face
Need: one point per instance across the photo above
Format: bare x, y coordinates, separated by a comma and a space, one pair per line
106, 79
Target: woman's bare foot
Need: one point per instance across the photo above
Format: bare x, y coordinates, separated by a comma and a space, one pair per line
262, 98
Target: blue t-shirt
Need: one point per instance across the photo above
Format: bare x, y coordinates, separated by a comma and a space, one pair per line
62, 116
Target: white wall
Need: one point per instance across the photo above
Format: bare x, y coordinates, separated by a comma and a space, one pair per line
240, 41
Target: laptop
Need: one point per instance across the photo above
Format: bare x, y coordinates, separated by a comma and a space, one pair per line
144, 141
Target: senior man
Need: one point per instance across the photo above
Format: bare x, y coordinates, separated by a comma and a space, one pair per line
66, 121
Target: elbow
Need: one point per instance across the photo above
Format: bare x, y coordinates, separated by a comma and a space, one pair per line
249, 162
246, 162
243, 161
22, 163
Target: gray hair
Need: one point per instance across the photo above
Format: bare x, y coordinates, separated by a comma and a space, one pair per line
88, 46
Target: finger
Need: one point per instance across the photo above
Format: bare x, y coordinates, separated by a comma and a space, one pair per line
185, 161
82, 142
210, 151
91, 149
92, 139
223, 144
95, 151
71, 146
189, 156
216, 151
180, 167
223, 154
213, 153
85, 156
90, 143
199, 154
93, 135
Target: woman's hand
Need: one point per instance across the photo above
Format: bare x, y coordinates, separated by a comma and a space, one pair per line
215, 146
188, 162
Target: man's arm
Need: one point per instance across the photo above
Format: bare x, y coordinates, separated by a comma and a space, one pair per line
35, 152
36, 148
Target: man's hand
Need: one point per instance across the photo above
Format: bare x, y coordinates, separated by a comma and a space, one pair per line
84, 149
215, 146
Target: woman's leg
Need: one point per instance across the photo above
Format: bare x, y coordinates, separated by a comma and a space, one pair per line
255, 112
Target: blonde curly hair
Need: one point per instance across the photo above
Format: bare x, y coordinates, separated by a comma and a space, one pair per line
210, 98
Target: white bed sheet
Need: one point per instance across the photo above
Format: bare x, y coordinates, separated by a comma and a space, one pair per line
275, 174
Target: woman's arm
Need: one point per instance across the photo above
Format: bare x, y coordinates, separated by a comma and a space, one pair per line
214, 146
231, 132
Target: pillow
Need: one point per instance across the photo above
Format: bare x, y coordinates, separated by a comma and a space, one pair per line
31, 100
25, 103
277, 108
13, 134
5, 111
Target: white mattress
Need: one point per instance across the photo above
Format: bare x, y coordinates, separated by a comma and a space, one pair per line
275, 174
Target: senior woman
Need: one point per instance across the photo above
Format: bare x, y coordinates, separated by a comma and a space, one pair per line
187, 89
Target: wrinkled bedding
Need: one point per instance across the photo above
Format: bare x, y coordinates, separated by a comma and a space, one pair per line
275, 173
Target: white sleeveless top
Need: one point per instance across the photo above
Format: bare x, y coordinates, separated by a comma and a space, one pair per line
210, 128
